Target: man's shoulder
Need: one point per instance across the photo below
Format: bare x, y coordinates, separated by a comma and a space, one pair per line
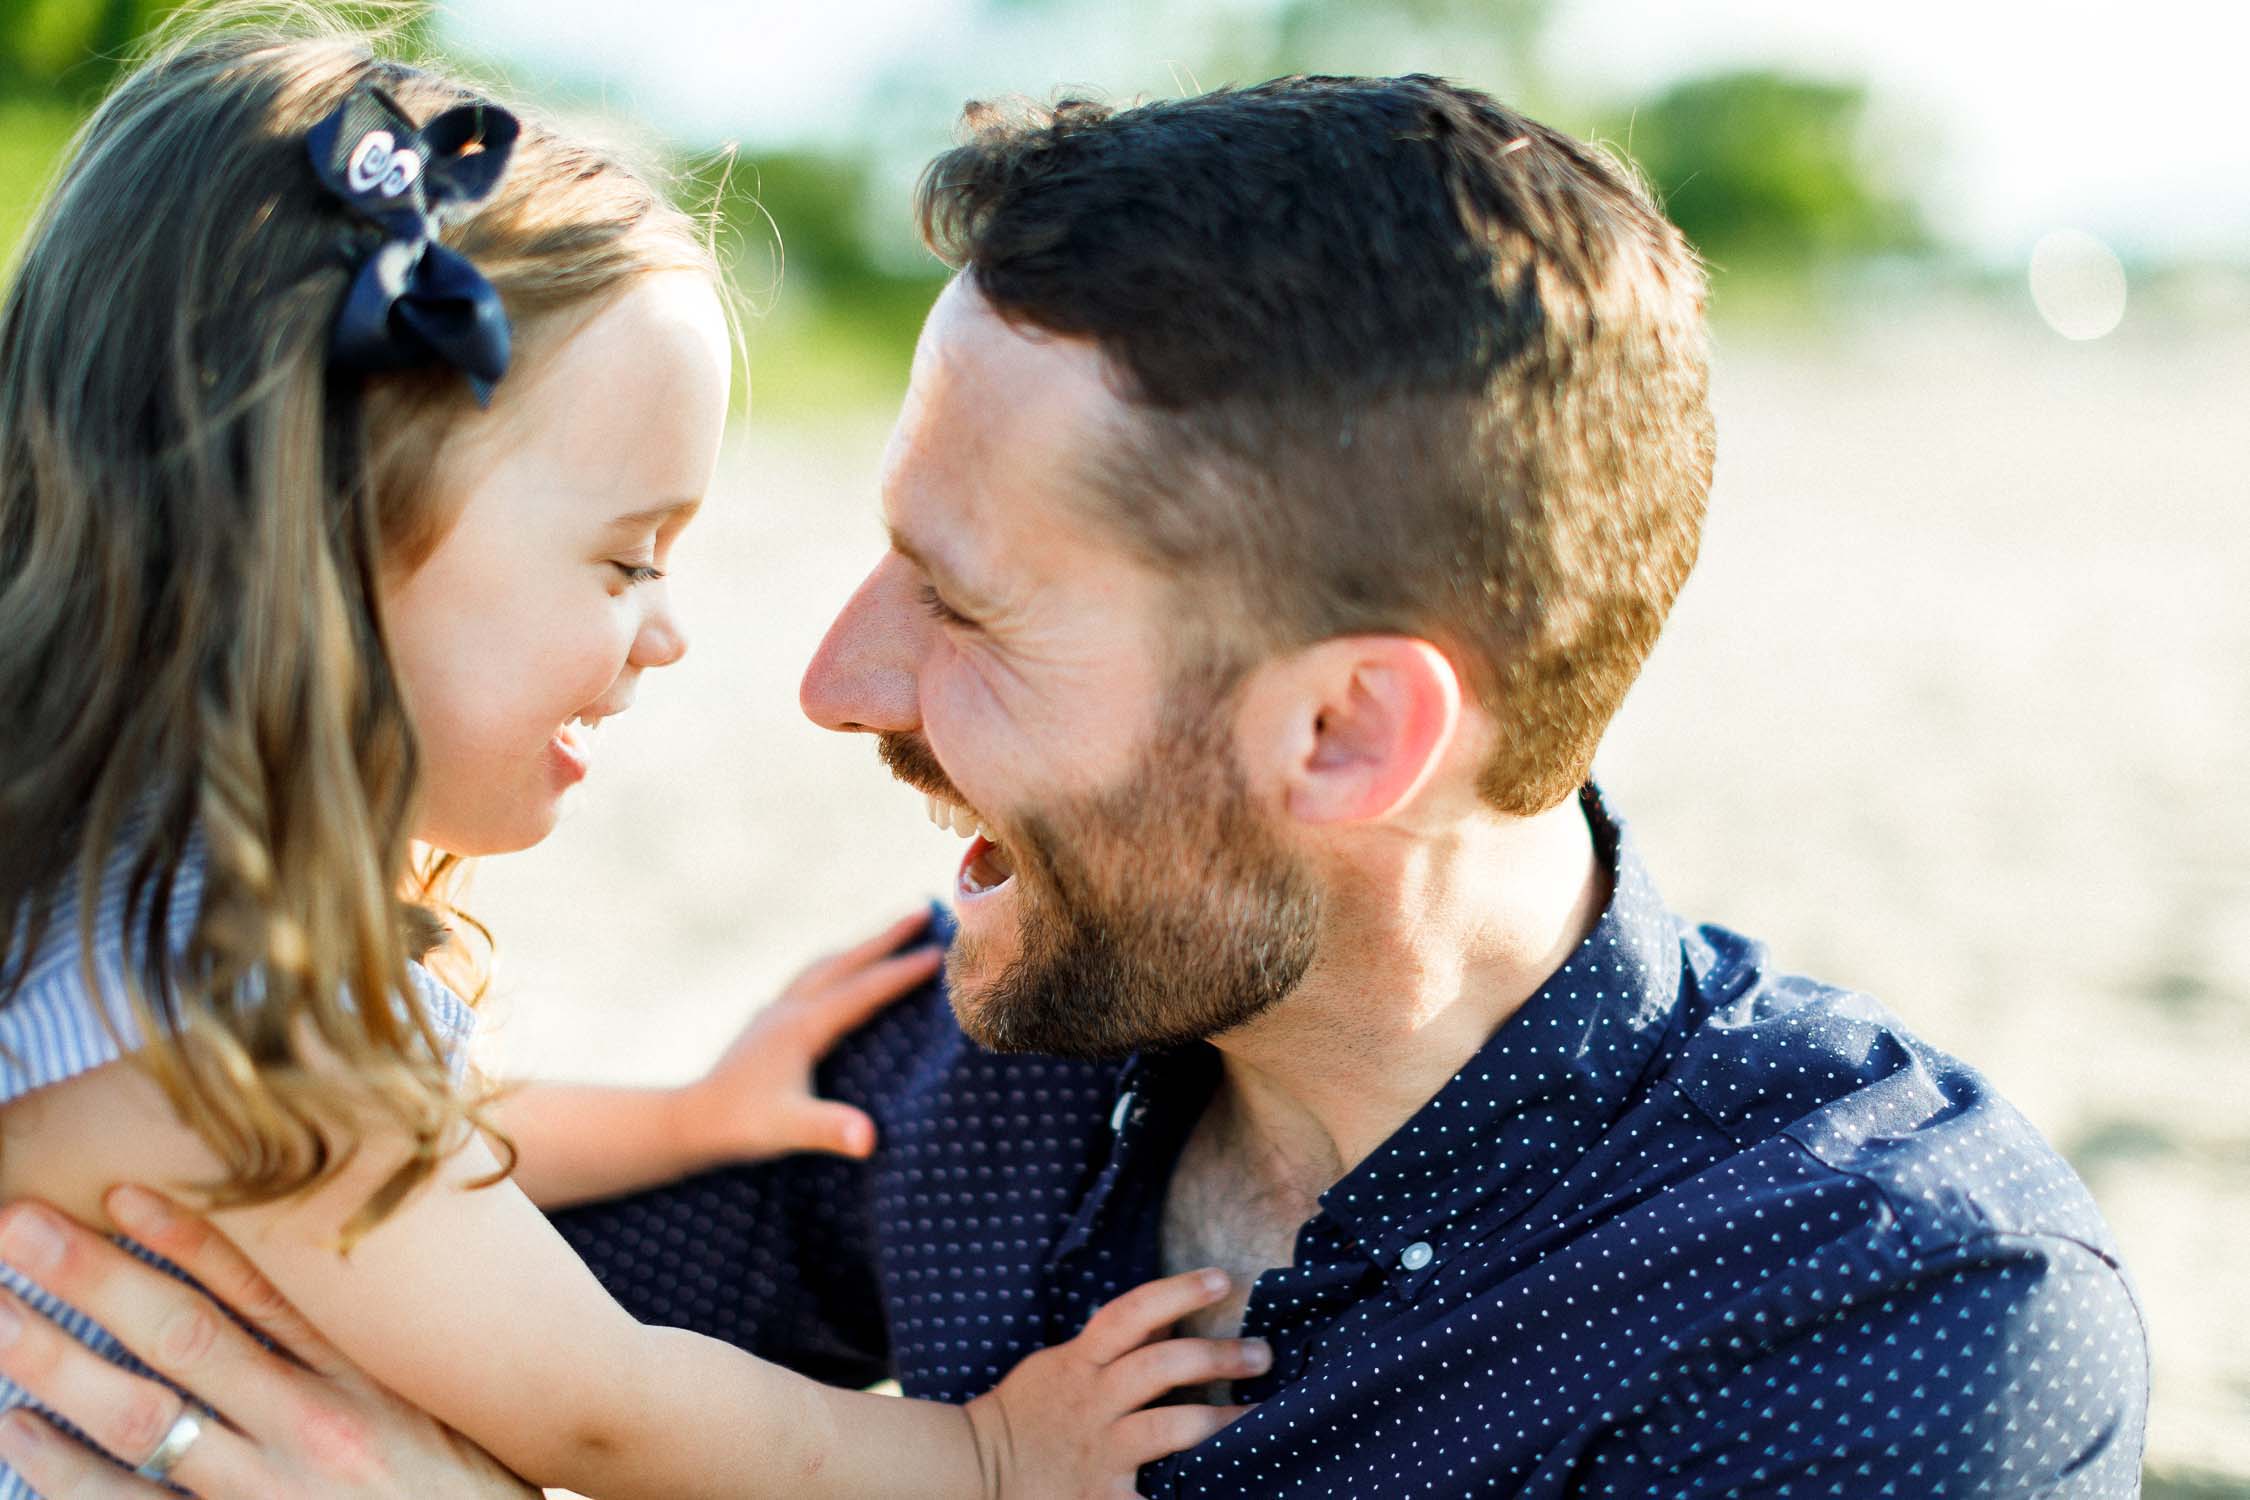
915, 1070
1769, 1055
1893, 1213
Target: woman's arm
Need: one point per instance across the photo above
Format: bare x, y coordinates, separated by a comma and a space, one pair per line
578, 1142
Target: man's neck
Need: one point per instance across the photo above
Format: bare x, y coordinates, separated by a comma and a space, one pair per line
1421, 962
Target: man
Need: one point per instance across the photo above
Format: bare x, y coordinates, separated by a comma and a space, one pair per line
1289, 488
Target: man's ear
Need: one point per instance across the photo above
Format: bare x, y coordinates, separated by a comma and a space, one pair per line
1363, 721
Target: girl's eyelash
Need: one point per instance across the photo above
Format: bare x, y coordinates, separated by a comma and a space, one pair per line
636, 573
939, 609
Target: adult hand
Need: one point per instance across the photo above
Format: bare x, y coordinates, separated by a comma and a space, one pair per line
306, 1424
758, 1100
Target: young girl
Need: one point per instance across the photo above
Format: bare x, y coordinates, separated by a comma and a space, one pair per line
345, 434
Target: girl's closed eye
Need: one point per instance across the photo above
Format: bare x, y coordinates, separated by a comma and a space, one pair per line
638, 572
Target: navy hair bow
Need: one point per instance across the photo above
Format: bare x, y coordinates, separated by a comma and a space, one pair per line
413, 299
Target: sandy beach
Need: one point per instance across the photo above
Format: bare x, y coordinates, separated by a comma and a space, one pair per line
1956, 710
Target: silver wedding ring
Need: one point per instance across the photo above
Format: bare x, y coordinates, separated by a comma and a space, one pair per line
186, 1428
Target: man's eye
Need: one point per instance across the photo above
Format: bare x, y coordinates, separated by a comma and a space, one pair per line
933, 602
638, 572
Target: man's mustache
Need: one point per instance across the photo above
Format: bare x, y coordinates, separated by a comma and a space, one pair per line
911, 761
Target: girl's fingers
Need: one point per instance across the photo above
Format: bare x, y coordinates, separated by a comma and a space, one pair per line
127, 1415
852, 998
174, 1329
826, 1126
1147, 1436
868, 949
191, 1243
59, 1468
1150, 1371
1128, 1322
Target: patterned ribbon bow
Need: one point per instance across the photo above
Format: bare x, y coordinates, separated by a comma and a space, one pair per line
413, 299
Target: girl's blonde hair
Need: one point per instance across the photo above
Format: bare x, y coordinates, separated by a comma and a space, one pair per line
195, 517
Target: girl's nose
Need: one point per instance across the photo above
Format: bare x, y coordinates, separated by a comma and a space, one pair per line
661, 641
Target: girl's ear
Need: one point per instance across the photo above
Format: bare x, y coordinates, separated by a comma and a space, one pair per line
1356, 725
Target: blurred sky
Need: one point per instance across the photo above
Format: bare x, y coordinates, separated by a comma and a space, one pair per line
2006, 118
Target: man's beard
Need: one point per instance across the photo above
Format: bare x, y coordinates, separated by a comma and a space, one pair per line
1160, 912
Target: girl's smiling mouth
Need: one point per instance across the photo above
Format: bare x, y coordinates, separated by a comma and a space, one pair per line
566, 754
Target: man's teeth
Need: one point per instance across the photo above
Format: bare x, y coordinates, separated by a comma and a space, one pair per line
955, 818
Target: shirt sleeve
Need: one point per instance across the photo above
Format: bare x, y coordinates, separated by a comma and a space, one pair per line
773, 1257
2012, 1366
782, 1257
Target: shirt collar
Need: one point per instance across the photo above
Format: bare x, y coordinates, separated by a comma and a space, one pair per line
1531, 1100
1537, 1094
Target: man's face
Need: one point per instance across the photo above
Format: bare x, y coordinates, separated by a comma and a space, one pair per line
1126, 888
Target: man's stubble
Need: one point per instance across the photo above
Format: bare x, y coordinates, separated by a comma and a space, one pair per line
1157, 912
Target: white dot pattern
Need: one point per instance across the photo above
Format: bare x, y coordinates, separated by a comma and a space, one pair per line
1684, 1225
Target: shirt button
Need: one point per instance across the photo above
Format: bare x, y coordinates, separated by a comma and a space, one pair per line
1415, 1256
1117, 1115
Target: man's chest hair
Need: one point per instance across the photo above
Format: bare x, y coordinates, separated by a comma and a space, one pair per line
1218, 1212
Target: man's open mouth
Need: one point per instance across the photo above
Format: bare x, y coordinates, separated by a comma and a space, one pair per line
987, 866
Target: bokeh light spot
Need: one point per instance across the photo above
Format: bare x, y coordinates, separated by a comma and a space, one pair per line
2077, 283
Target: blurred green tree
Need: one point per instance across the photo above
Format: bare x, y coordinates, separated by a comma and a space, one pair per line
70, 49
74, 49
803, 216
1768, 170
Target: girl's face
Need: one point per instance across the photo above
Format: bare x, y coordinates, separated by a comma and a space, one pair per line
543, 605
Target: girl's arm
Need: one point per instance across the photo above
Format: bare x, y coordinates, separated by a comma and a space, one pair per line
309, 1425
470, 1306
580, 1142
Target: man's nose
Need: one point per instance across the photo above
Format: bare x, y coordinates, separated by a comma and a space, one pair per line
862, 679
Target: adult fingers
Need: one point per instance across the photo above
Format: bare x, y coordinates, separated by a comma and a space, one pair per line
190, 1242
1148, 1372
59, 1468
176, 1330
1147, 1436
1129, 1321
124, 1413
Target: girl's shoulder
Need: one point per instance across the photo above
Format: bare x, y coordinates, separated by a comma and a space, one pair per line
453, 1016
64, 1020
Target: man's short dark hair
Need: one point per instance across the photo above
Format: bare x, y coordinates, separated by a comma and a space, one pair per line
1398, 361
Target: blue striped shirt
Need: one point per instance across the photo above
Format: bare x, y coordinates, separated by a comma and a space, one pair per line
53, 1029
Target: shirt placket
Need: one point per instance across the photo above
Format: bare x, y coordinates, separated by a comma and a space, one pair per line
1113, 1241
1292, 1307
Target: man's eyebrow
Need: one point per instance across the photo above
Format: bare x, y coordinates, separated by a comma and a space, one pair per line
657, 516
904, 547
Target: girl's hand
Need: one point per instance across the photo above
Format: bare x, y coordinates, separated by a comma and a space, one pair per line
303, 1425
758, 1099
1074, 1422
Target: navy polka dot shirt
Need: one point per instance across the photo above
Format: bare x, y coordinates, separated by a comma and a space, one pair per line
1685, 1225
